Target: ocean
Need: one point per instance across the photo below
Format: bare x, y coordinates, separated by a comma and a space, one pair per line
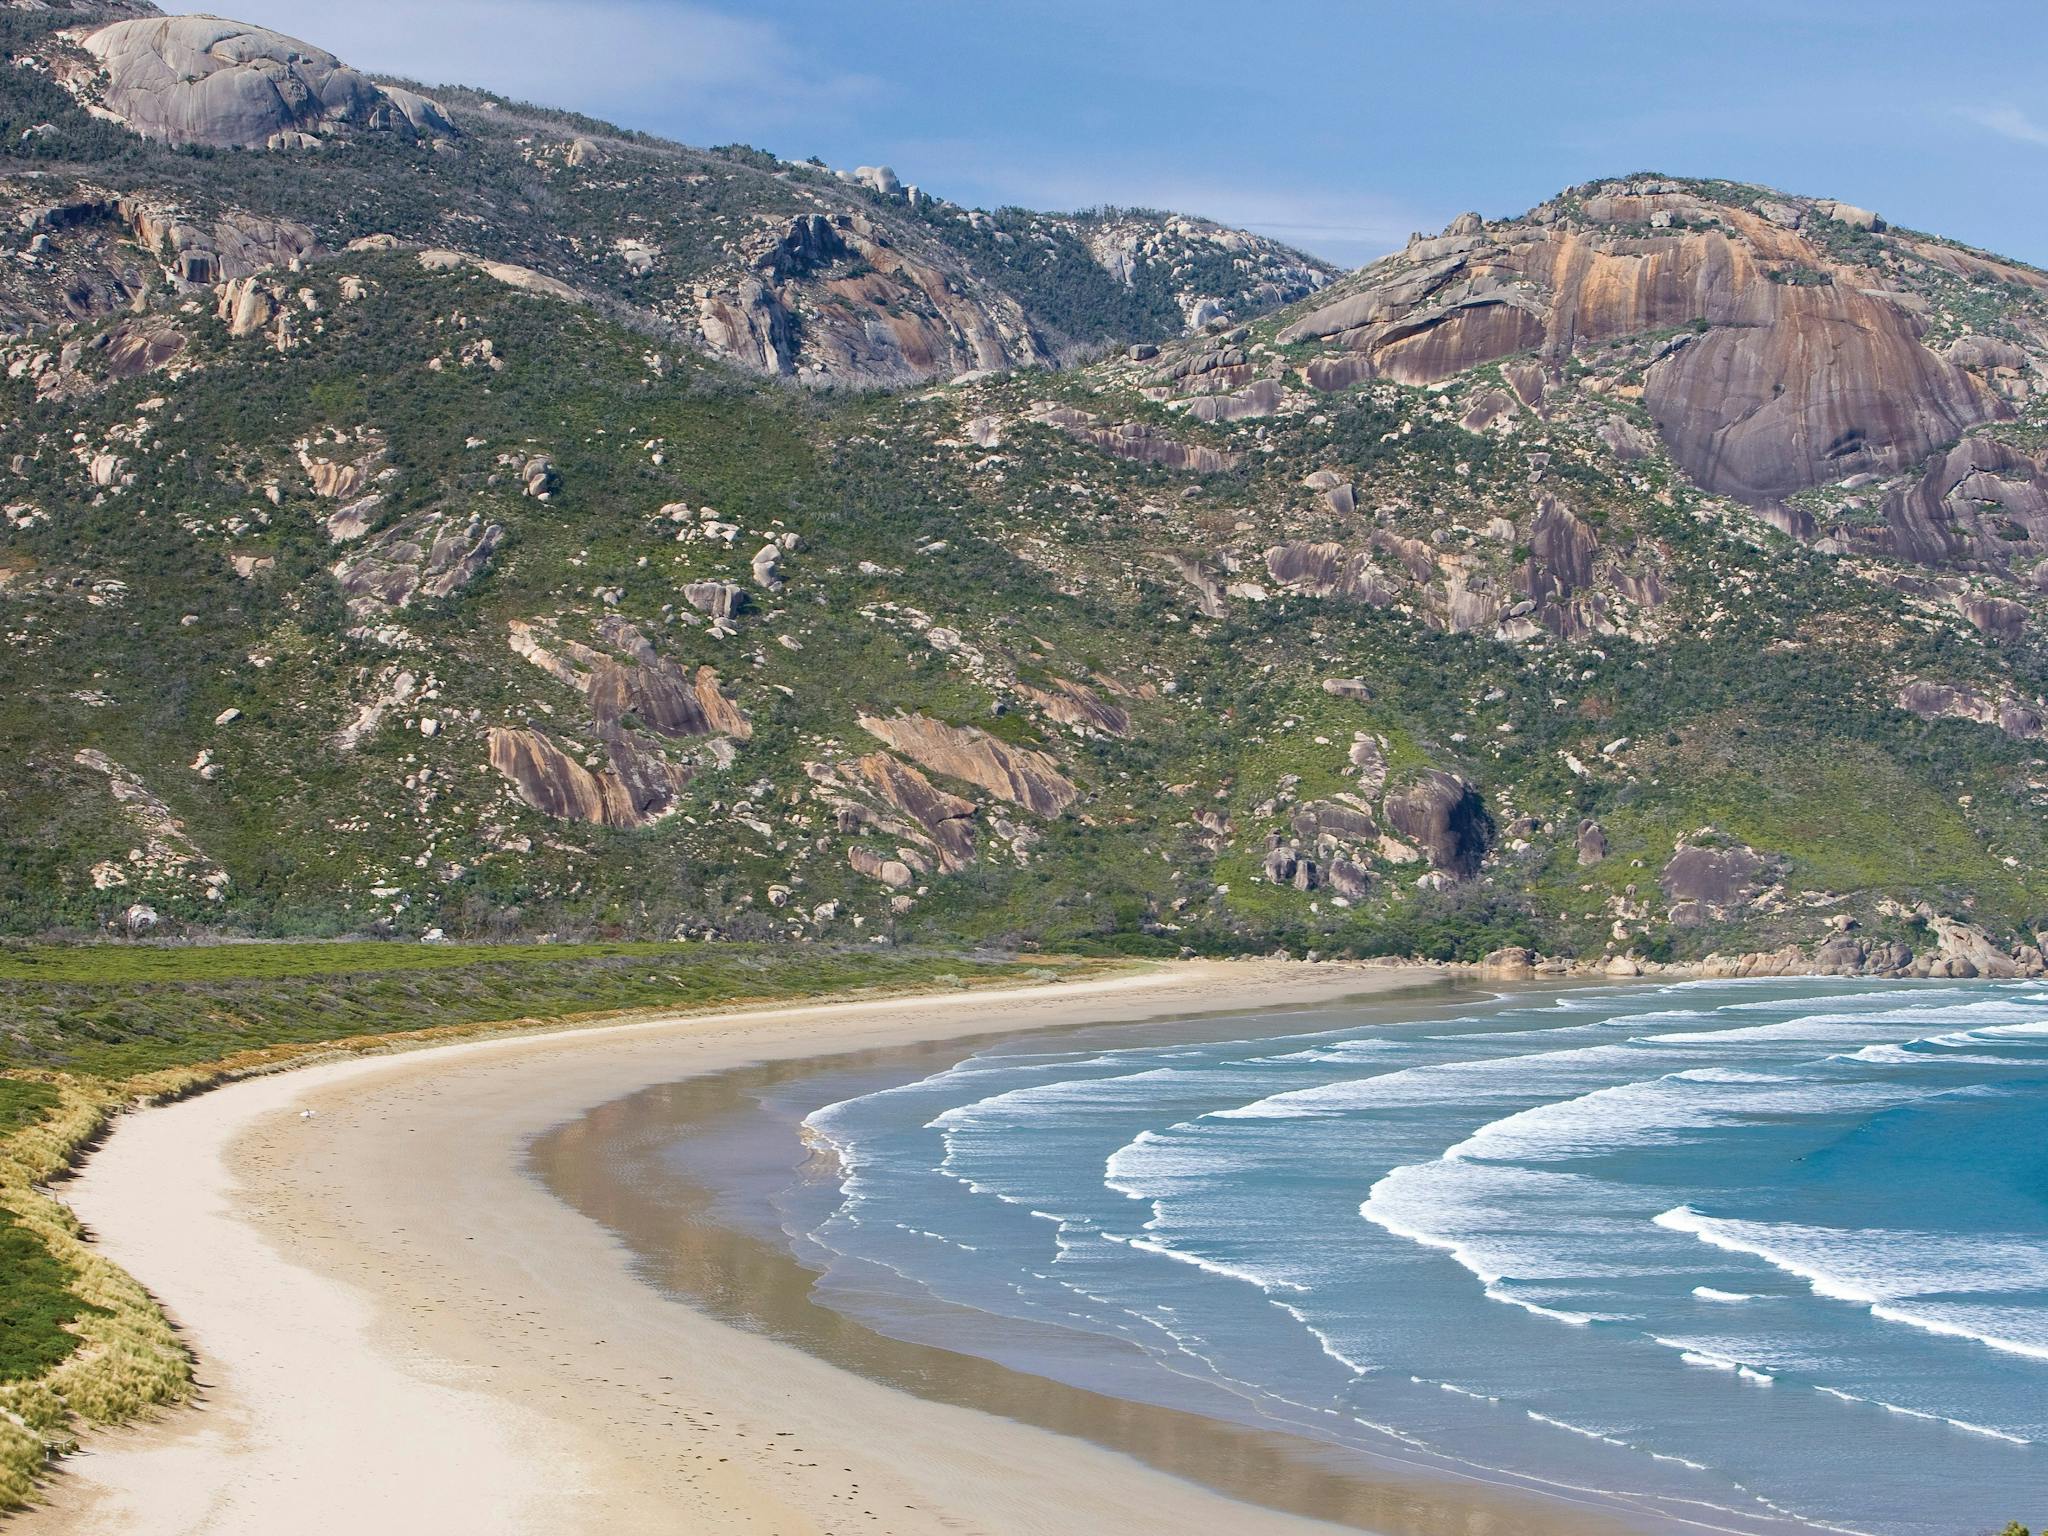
1736, 1256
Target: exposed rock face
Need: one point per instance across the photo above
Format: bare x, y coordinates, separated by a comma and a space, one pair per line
640, 703
126, 350
1139, 442
1443, 816
1333, 844
1981, 504
1792, 383
235, 245
872, 309
1969, 951
1203, 582
1626, 441
1329, 570
103, 251
749, 325
511, 274
946, 820
1561, 554
1067, 702
721, 599
1592, 843
1512, 964
1999, 617
1940, 701
1260, 399
199, 80
428, 556
893, 873
1847, 955
633, 679
1016, 774
547, 778
1833, 383
1334, 819
1709, 884
1187, 247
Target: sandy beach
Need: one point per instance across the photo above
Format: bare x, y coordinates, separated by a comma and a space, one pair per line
398, 1329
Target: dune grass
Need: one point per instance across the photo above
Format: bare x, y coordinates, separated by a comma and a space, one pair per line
87, 1031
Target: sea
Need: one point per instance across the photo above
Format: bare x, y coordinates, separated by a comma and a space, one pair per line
1730, 1256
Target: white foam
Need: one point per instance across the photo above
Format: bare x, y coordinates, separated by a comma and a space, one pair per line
1325, 1343
1965, 1323
1576, 1429
1728, 1298
1935, 1418
1455, 1391
1696, 1354
1871, 1265
1555, 1314
1264, 1282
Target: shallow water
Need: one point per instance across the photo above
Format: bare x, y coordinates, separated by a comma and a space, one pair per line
1750, 1256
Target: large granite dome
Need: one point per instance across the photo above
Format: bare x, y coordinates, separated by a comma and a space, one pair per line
201, 80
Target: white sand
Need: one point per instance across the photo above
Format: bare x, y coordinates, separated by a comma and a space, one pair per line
399, 1331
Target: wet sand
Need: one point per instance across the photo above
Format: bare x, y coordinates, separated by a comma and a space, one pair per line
401, 1329
618, 1166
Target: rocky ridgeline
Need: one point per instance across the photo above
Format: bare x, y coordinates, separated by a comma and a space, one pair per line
829, 278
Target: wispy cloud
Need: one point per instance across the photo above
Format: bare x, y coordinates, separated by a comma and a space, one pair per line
2008, 122
714, 72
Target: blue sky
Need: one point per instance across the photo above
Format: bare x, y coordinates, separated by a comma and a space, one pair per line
1338, 126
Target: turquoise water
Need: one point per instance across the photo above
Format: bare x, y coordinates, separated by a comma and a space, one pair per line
1737, 1256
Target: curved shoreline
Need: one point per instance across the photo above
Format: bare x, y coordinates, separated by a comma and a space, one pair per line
618, 1165
398, 1328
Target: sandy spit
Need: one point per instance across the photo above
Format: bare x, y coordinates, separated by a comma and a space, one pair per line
399, 1330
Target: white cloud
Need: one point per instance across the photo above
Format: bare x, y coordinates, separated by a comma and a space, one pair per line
2008, 122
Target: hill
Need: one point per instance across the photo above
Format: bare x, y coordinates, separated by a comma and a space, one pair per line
409, 528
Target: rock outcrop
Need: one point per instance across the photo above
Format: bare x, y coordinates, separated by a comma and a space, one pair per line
431, 555
1066, 702
200, 80
1592, 843
871, 308
1708, 884
1137, 441
632, 679
1801, 370
946, 820
1943, 701
1016, 774
641, 704
1330, 570
1983, 504
553, 782
1443, 816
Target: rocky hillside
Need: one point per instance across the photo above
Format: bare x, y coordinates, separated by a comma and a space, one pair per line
1658, 574
188, 149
